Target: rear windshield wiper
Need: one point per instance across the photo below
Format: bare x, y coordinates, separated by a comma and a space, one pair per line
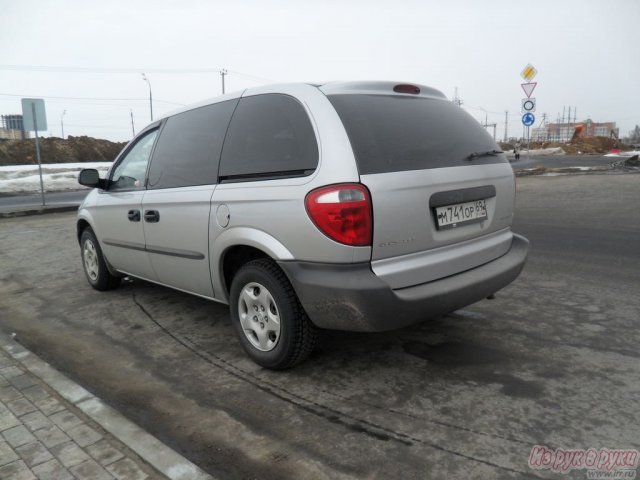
473, 155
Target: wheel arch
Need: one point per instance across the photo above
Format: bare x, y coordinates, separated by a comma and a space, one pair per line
81, 225
234, 258
237, 246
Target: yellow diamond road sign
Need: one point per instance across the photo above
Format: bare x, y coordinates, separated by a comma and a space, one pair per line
529, 72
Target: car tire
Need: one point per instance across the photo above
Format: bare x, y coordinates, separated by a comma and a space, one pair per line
94, 264
272, 326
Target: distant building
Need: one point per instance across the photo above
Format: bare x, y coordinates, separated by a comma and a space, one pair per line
564, 132
12, 128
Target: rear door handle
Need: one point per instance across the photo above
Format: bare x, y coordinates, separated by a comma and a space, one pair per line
133, 215
152, 216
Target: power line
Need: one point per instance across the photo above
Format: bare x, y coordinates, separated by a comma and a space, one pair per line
90, 98
252, 77
102, 70
61, 69
92, 127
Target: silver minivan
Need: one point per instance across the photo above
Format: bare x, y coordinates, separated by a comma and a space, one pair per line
362, 206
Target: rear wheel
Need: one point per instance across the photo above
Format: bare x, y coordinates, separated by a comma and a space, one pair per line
272, 326
93, 262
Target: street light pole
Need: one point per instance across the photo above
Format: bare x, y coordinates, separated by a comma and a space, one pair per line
223, 72
144, 77
62, 122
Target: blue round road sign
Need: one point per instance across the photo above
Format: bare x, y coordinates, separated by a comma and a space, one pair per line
528, 119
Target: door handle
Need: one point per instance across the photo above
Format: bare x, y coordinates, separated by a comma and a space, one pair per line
152, 216
133, 215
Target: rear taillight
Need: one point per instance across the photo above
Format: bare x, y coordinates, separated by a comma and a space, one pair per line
342, 212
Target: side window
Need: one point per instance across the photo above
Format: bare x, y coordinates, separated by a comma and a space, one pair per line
269, 135
189, 146
129, 173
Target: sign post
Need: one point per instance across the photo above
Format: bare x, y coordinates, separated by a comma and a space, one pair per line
528, 104
34, 117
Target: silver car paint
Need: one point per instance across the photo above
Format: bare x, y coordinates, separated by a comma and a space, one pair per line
183, 226
408, 248
274, 209
112, 227
270, 215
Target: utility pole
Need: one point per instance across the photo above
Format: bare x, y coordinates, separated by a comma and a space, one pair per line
62, 123
133, 128
456, 100
223, 72
487, 124
540, 125
506, 125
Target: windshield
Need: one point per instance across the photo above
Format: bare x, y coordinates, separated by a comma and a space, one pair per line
392, 133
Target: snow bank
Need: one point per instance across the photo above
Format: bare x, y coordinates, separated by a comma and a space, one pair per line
55, 176
623, 154
547, 151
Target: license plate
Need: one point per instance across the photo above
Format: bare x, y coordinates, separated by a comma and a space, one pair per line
453, 216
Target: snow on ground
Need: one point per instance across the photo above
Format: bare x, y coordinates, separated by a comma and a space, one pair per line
55, 176
539, 152
623, 154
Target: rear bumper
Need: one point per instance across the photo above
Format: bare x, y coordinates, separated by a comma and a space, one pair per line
352, 297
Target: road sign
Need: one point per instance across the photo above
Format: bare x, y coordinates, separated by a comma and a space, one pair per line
528, 119
528, 88
529, 72
528, 105
34, 118
34, 115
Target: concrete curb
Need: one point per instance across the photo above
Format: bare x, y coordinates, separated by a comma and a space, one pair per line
165, 460
38, 211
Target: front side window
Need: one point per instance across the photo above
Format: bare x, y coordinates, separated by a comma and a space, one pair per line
269, 136
130, 172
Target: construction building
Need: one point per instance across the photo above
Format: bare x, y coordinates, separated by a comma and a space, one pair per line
12, 128
566, 132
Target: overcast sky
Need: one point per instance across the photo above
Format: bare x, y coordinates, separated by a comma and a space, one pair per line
587, 54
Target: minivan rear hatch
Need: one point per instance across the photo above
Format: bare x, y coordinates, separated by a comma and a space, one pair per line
442, 192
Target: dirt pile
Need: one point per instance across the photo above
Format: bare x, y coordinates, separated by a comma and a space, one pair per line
57, 150
593, 145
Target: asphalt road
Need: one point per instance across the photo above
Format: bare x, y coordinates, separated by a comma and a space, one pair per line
12, 202
553, 360
561, 161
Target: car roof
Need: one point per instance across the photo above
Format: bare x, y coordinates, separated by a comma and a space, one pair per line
328, 88
380, 88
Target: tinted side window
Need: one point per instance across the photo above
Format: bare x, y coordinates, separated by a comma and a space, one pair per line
188, 150
130, 171
399, 133
269, 135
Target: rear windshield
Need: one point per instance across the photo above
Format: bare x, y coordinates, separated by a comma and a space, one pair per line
398, 133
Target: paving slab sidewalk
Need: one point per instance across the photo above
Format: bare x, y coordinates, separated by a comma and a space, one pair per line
52, 428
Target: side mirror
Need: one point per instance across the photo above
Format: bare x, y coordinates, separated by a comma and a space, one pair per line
89, 177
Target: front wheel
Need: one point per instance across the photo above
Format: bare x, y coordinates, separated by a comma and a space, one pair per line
272, 326
93, 262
